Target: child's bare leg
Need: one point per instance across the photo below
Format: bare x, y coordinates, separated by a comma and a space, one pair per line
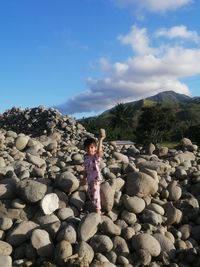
96, 197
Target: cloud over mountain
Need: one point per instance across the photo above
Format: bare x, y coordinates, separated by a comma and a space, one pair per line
149, 70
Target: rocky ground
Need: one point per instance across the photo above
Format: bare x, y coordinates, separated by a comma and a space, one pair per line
150, 198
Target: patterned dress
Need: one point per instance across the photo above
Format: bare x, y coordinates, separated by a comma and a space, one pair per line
91, 163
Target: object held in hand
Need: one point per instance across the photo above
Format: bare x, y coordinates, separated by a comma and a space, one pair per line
102, 132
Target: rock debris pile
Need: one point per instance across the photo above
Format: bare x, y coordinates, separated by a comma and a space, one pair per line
38, 121
150, 199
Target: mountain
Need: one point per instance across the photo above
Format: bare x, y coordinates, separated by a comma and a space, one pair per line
196, 99
170, 96
167, 98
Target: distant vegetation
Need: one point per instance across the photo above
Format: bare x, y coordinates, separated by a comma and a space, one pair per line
165, 117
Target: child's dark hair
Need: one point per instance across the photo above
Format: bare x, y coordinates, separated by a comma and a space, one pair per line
89, 141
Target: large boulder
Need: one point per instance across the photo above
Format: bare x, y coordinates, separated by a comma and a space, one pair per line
165, 243
140, 184
31, 190
40, 240
78, 199
134, 204
5, 248
6, 261
101, 243
158, 166
49, 203
107, 197
21, 142
108, 227
67, 182
121, 157
85, 253
147, 242
185, 156
88, 226
21, 233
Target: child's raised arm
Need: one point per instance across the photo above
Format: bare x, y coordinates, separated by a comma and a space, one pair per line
102, 136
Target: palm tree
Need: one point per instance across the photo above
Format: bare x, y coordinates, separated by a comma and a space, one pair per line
121, 116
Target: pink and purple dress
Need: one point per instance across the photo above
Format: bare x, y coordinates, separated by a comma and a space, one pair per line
91, 163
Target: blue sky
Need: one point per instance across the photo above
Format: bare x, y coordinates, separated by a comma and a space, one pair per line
85, 56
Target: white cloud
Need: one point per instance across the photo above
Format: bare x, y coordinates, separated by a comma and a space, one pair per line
153, 5
179, 32
105, 64
138, 40
147, 72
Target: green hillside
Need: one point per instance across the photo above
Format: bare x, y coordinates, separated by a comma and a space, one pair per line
165, 117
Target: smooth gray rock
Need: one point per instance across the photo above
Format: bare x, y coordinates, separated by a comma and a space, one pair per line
117, 184
20, 233
2, 162
165, 244
109, 228
160, 167
88, 226
36, 160
175, 191
50, 223
77, 199
31, 190
185, 156
133, 204
77, 158
21, 142
5, 223
101, 243
68, 233
120, 246
5, 261
150, 148
107, 197
128, 217
2, 235
85, 253
144, 257
5, 249
40, 240
65, 213
128, 233
151, 217
63, 250
121, 157
67, 182
146, 242
172, 214
140, 184
156, 208
18, 204
185, 230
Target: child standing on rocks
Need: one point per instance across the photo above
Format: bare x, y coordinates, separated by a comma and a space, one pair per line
91, 162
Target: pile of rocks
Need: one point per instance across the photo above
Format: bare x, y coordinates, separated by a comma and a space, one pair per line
38, 121
150, 200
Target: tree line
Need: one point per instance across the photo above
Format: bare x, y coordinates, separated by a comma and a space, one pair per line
155, 123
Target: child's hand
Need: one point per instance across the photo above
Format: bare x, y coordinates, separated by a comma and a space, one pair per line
102, 134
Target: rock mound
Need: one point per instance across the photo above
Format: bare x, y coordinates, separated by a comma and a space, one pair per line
150, 202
